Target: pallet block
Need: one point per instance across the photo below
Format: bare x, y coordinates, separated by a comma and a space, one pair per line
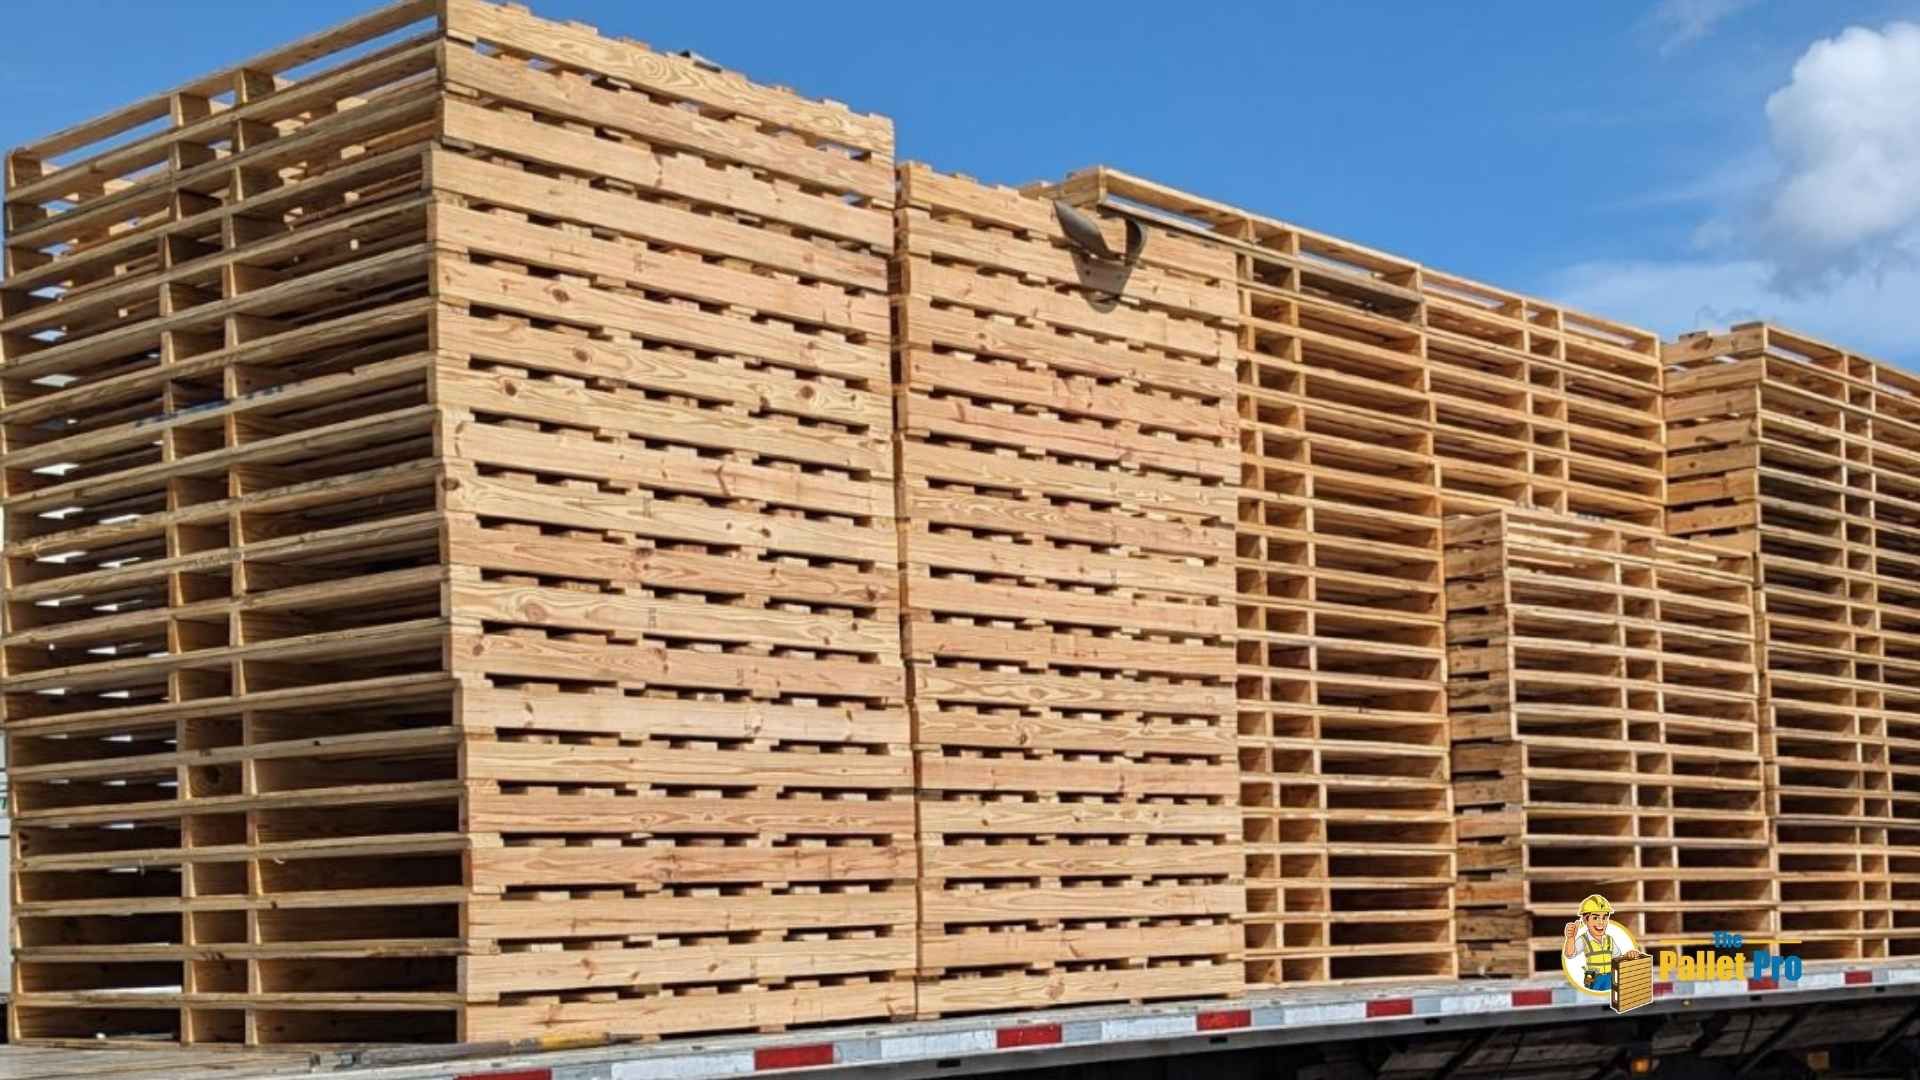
1801, 453
1067, 495
1602, 691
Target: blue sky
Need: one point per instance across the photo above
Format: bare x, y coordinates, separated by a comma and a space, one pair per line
1675, 163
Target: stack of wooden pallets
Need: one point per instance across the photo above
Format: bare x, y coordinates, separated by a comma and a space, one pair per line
1804, 455
227, 709
509, 532
1606, 737
583, 626
1540, 406
663, 375
1067, 492
1342, 711
1376, 396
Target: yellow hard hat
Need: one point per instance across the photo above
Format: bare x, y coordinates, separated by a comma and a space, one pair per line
1595, 905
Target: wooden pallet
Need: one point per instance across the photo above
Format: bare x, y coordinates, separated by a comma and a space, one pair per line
1799, 452
1536, 405
1529, 404
223, 606
1066, 490
1605, 736
1342, 716
1343, 752
664, 374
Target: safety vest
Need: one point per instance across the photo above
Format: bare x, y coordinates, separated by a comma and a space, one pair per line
1599, 952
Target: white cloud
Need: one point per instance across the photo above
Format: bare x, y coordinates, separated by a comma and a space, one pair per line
1683, 22
1847, 133
1824, 235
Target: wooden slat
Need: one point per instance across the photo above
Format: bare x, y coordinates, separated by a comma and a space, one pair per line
583, 48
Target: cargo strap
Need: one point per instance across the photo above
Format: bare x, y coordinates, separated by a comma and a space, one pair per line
1084, 233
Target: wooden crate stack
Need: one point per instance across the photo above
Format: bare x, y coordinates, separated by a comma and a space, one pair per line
1804, 455
664, 376
1067, 493
1341, 678
228, 716
1606, 736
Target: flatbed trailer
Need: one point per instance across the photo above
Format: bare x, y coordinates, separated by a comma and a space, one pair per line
1841, 1020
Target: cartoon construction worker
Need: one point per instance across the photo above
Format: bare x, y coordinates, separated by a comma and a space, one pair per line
1593, 945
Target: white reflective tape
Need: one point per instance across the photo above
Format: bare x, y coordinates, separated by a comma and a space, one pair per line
1730, 988
947, 1044
686, 1067
1269, 1016
1077, 1032
1345, 1012
1462, 1004
1903, 975
1145, 1027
